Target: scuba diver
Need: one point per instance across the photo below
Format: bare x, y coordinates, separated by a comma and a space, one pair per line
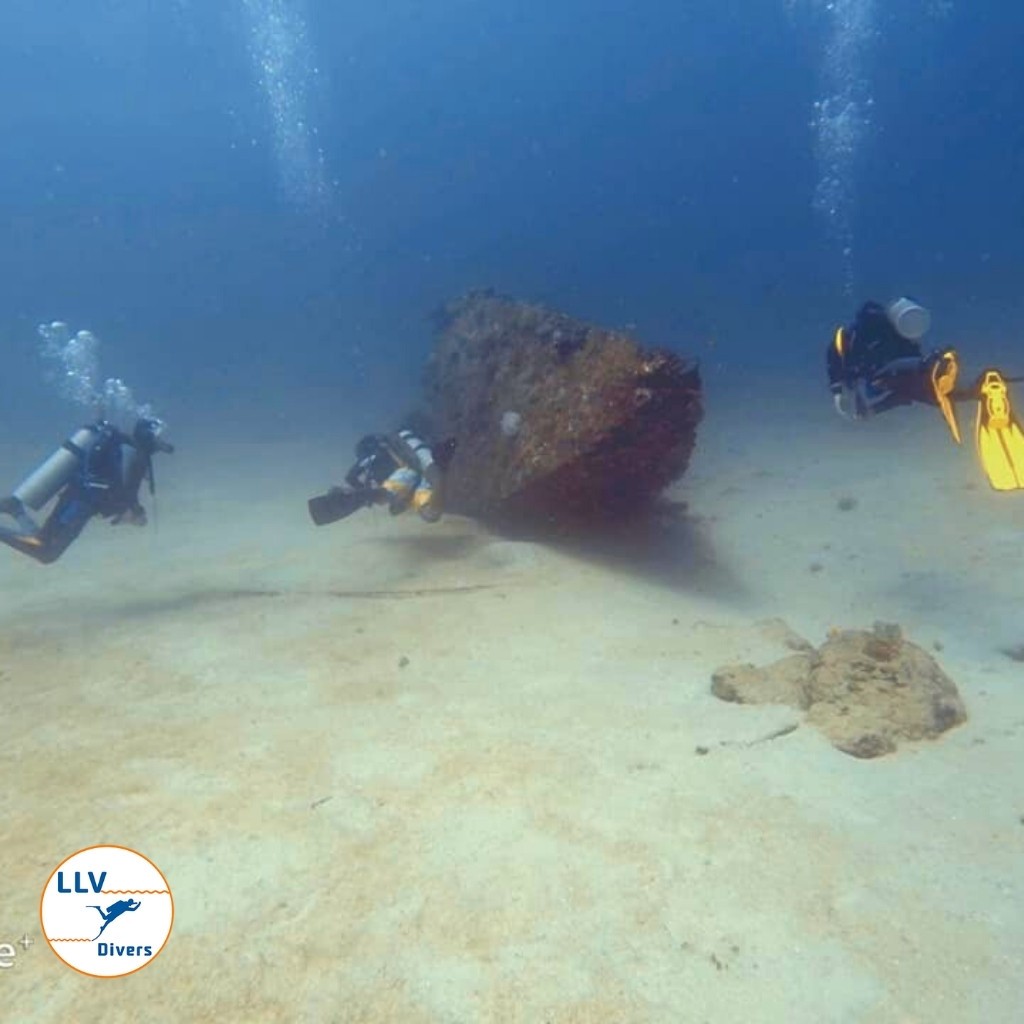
93, 477
398, 470
114, 911
876, 364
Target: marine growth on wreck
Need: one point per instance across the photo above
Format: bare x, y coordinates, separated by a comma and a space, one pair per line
559, 423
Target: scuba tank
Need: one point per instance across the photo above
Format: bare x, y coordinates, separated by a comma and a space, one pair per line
49, 477
428, 498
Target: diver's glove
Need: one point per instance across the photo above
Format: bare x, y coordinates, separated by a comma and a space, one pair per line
837, 401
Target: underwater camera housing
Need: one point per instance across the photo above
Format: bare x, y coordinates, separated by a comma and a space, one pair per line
337, 503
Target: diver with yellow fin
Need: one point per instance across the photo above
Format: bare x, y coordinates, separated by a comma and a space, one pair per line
398, 470
876, 364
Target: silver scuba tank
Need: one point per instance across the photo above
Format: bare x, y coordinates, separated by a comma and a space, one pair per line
50, 476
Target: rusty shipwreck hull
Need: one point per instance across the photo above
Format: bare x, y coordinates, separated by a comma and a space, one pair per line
559, 423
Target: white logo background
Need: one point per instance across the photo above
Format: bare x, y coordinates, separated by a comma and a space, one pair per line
71, 924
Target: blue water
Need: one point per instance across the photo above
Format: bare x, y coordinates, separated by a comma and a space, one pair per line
255, 204
484, 801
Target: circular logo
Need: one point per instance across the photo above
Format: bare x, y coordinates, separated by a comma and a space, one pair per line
106, 911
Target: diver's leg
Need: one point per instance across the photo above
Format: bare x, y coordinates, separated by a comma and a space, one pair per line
61, 528
14, 508
25, 537
875, 402
898, 367
901, 382
27, 543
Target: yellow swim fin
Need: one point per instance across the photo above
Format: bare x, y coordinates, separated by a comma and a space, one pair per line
999, 435
944, 373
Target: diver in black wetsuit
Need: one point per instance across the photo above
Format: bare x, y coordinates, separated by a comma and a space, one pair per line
876, 363
398, 470
93, 476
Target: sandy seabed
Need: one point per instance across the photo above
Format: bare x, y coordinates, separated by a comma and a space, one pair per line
400, 773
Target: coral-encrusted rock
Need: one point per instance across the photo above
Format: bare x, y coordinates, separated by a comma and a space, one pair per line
558, 423
865, 690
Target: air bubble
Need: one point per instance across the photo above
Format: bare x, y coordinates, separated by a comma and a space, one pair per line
74, 369
282, 55
841, 120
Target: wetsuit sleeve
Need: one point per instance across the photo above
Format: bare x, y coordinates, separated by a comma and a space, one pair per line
62, 527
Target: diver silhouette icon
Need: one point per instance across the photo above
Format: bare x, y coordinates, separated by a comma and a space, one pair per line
114, 911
